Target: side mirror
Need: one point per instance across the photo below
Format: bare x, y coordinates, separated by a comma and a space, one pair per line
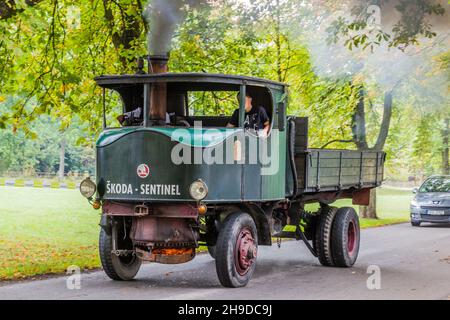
281, 116
414, 190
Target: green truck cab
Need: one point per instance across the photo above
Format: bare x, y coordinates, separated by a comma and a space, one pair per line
179, 179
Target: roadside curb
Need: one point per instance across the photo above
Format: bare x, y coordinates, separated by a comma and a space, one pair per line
39, 184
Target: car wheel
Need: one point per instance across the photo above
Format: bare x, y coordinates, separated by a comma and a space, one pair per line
415, 223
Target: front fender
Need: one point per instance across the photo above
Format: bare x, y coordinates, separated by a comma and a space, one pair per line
105, 224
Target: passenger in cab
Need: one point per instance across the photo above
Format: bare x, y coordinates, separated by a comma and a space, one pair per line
255, 116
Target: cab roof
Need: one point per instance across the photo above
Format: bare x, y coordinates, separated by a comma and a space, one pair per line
210, 80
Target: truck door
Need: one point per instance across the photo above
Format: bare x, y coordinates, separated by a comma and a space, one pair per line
265, 178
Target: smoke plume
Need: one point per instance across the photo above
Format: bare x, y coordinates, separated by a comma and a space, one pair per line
386, 66
163, 17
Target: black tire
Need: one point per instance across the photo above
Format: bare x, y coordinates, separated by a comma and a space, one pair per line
212, 251
117, 268
345, 237
415, 223
236, 229
322, 237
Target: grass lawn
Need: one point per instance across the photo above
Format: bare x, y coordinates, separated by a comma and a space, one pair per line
392, 207
46, 230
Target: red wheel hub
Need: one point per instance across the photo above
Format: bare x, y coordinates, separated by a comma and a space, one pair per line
351, 237
245, 251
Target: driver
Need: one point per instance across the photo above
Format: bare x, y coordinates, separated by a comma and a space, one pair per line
255, 116
135, 117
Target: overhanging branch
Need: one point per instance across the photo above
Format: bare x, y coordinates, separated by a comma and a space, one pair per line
8, 8
337, 140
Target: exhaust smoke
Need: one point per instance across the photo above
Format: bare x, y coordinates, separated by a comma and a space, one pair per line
390, 68
163, 17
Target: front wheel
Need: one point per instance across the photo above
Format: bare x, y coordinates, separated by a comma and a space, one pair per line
236, 250
345, 237
212, 251
117, 267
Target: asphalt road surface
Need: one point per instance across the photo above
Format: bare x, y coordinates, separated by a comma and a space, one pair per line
414, 263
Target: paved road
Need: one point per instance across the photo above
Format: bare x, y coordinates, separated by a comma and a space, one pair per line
414, 264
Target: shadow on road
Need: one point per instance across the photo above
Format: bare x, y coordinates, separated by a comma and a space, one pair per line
205, 275
435, 225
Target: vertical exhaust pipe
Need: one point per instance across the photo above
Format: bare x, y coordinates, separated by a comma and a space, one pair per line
158, 63
158, 91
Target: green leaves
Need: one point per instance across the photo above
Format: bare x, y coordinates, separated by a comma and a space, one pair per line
48, 62
412, 25
37, 146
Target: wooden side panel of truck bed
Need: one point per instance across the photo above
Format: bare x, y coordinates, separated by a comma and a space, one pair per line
326, 170
321, 170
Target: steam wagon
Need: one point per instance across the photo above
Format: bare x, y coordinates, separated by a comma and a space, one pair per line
181, 177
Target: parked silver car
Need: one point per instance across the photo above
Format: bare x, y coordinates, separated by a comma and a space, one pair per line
432, 201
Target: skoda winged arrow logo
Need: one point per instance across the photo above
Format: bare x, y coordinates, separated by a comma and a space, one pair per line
436, 201
143, 170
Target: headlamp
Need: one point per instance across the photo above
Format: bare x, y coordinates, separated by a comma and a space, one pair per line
87, 188
198, 190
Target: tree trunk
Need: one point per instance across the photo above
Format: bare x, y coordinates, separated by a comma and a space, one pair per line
62, 158
445, 148
8, 8
370, 211
385, 123
126, 30
359, 136
278, 41
359, 123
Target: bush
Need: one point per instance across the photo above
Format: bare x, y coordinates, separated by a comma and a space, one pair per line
38, 183
71, 185
54, 184
19, 183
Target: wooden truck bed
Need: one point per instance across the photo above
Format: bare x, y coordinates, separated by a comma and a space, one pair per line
321, 170
327, 170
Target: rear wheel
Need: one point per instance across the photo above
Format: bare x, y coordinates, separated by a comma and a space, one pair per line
322, 239
415, 223
236, 250
123, 267
345, 237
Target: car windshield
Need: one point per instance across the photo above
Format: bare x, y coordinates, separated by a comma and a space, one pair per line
438, 184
